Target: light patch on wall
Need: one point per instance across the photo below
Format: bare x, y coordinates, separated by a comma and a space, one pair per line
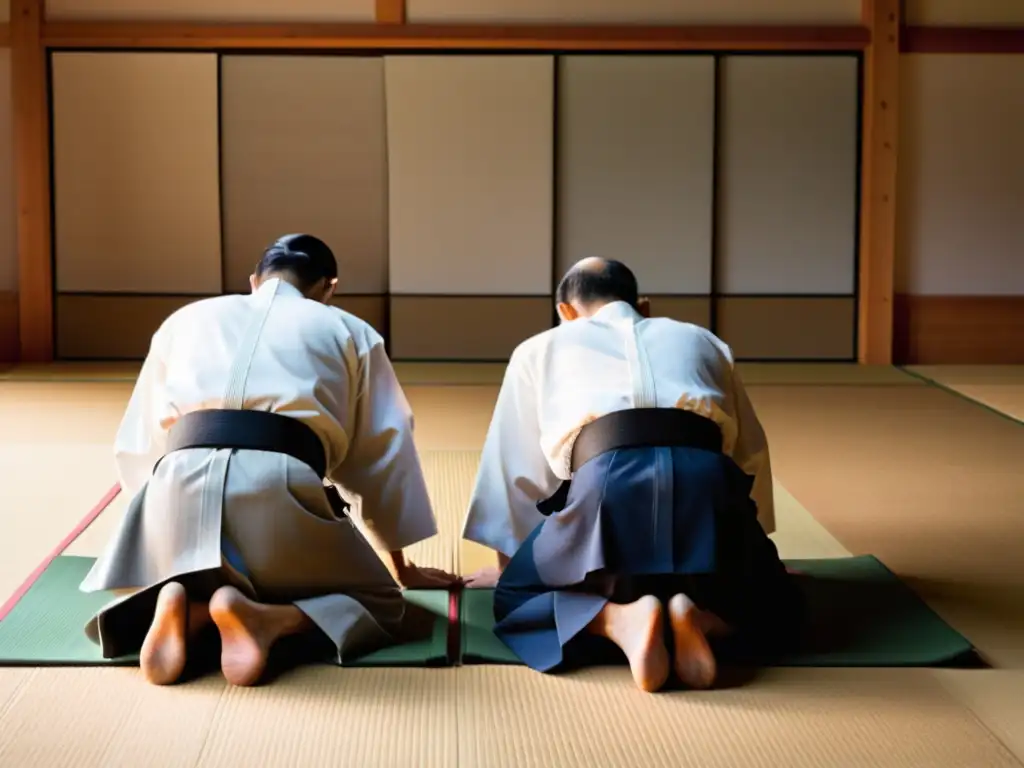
8, 204
212, 10
470, 160
136, 179
961, 175
635, 11
965, 13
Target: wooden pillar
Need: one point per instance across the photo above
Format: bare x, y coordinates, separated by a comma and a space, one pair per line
32, 188
879, 135
391, 11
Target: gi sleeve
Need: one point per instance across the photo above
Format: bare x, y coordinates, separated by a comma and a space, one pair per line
514, 473
382, 465
141, 439
751, 454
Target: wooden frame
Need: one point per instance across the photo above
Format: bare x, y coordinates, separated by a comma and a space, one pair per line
879, 135
879, 36
399, 36
962, 40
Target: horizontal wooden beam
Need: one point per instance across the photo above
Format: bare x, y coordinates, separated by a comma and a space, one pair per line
177, 36
962, 40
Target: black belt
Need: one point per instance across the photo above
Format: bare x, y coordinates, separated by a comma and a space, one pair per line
636, 428
645, 428
255, 431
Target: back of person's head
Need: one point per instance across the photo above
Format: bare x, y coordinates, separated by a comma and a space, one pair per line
591, 284
303, 261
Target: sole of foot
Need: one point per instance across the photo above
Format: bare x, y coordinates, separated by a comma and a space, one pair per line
245, 643
163, 653
694, 661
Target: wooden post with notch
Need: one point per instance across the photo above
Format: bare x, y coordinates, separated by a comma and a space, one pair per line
879, 136
32, 186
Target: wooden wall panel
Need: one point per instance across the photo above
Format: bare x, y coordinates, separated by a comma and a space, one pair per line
120, 327
635, 11
464, 327
965, 13
137, 197
470, 174
635, 166
303, 150
8, 327
959, 330
961, 217
212, 10
788, 328
788, 175
685, 309
8, 205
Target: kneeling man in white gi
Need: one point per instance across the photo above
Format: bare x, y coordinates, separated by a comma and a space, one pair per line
244, 407
626, 487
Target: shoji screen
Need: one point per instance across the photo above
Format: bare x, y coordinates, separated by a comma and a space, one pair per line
470, 146
213, 10
303, 150
635, 165
8, 220
137, 207
787, 206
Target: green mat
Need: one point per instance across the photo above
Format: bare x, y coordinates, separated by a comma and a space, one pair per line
46, 627
861, 615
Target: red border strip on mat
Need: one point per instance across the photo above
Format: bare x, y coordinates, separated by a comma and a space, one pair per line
454, 626
66, 542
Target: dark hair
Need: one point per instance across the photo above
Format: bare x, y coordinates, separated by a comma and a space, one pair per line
606, 281
306, 258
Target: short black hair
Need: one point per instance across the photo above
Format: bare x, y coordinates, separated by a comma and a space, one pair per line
306, 258
604, 280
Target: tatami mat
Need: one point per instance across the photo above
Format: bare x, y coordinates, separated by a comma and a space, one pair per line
1000, 387
791, 718
910, 473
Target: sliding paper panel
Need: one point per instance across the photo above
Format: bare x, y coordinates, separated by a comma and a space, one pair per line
788, 328
964, 13
470, 174
8, 205
212, 10
302, 147
961, 175
635, 11
788, 175
136, 176
470, 328
635, 165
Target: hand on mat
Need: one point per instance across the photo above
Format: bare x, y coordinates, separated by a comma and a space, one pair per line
415, 577
485, 578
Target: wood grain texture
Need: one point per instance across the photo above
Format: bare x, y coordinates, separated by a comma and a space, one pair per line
8, 327
917, 39
951, 330
176, 36
32, 180
879, 137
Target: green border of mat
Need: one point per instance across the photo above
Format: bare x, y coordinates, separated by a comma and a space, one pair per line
76, 650
477, 625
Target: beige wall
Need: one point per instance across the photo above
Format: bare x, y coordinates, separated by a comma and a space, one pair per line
636, 11
635, 165
303, 150
961, 174
136, 178
213, 10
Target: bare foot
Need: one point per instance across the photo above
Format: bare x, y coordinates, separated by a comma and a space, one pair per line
637, 628
163, 653
695, 663
248, 630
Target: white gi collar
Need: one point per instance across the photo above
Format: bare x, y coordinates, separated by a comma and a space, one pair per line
616, 310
